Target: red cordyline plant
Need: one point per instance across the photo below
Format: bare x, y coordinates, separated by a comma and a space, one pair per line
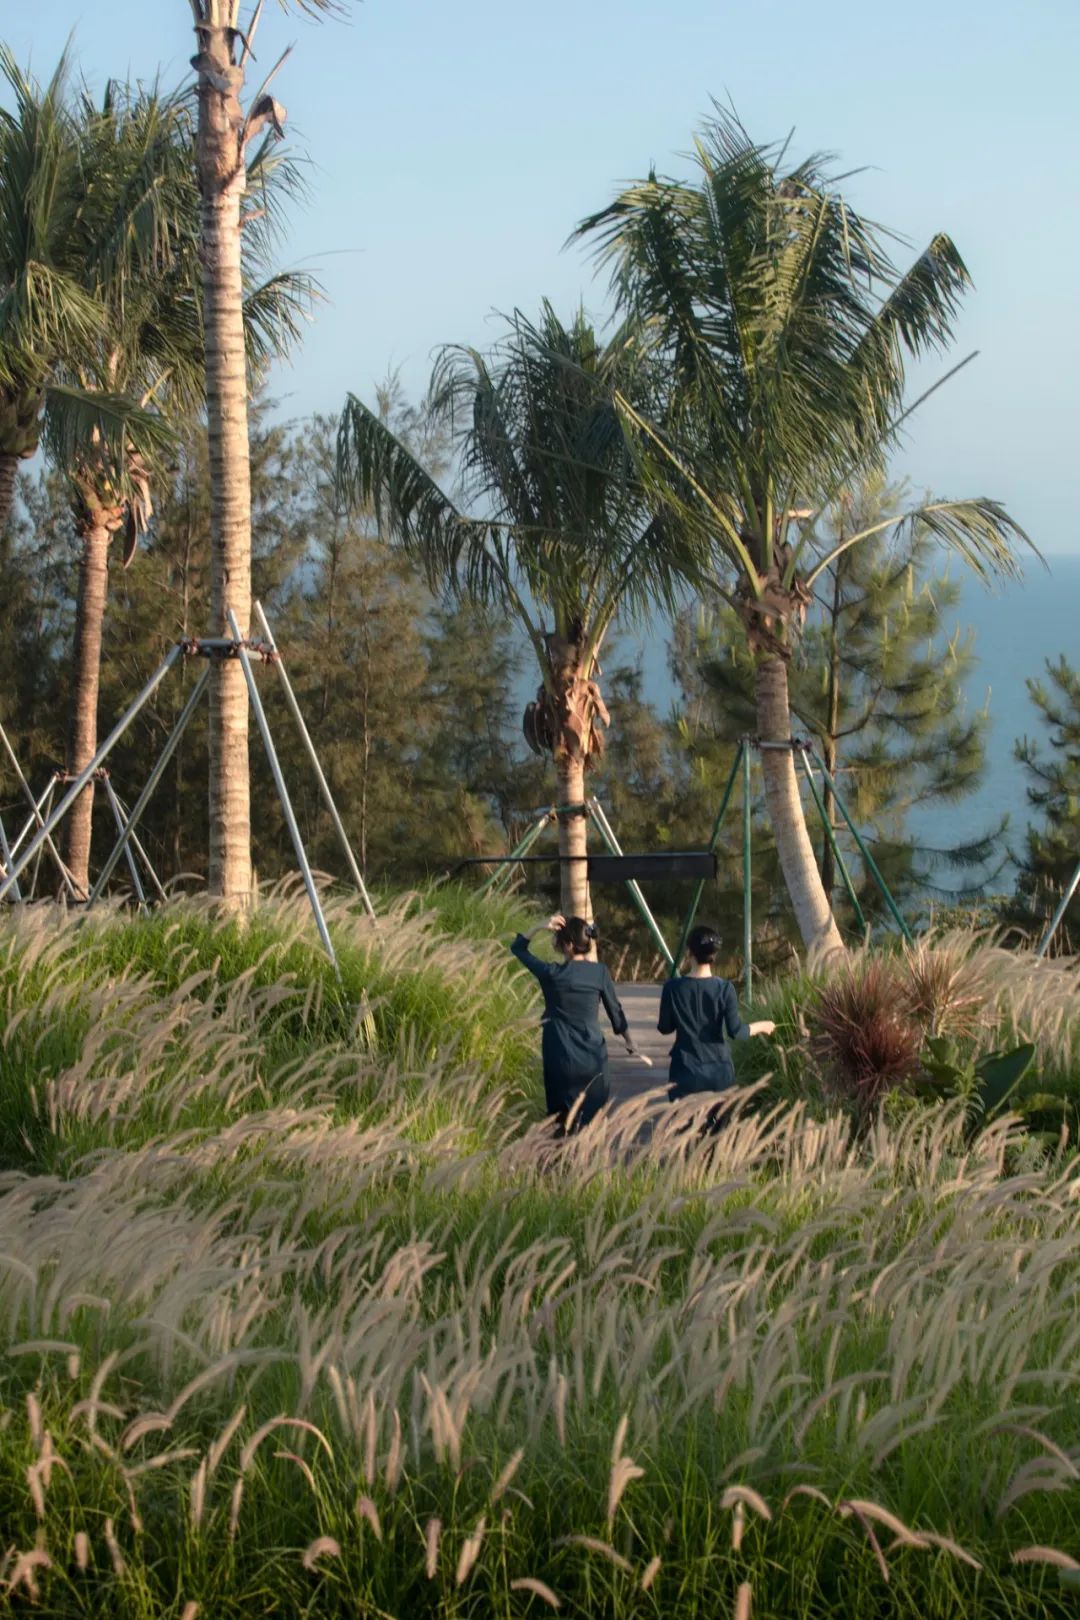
865, 1040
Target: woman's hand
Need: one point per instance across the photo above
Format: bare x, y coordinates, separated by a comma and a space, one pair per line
764, 1026
552, 926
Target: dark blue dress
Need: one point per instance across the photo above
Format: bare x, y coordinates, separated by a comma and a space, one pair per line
701, 1014
572, 1044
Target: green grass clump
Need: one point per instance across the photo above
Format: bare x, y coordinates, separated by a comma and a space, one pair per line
187, 1020
302, 1316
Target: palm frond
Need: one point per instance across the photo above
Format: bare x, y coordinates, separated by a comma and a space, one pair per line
979, 531
275, 315
561, 516
377, 473
785, 328
77, 419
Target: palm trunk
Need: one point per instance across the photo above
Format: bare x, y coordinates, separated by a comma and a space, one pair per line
86, 679
809, 900
828, 860
221, 182
574, 897
9, 467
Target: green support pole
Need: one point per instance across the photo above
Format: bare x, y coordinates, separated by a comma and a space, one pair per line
748, 949
597, 811
713, 841
871, 864
833, 845
521, 848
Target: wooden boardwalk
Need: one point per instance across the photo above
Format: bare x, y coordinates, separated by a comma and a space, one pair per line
629, 1076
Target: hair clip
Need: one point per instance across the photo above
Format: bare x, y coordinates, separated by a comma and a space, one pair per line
591, 931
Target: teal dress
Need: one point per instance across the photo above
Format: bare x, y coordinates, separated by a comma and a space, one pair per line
572, 1044
702, 1014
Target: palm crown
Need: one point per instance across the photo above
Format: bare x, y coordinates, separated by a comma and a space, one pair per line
552, 521
787, 328
87, 203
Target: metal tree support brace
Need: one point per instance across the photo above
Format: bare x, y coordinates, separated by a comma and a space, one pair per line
133, 870
171, 744
127, 844
871, 864
5, 857
596, 810
742, 758
141, 853
1059, 914
44, 833
830, 834
713, 841
36, 817
500, 878
324, 786
283, 792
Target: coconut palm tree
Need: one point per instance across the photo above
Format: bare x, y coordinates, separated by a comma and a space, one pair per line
149, 352
224, 133
58, 244
552, 525
786, 327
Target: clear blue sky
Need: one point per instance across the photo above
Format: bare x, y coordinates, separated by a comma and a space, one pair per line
454, 147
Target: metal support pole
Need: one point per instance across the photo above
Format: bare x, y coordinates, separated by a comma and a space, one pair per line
1056, 920
324, 786
43, 834
136, 881
95, 764
44, 803
5, 856
283, 792
171, 743
871, 864
490, 884
632, 885
148, 865
748, 932
833, 845
34, 818
713, 841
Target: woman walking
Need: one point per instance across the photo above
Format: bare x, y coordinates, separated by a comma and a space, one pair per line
702, 1012
572, 1044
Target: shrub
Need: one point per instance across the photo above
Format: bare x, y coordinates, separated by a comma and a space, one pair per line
865, 1039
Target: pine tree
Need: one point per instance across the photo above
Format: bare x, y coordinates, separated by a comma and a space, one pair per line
1052, 848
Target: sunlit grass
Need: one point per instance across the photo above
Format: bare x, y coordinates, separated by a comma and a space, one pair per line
307, 1315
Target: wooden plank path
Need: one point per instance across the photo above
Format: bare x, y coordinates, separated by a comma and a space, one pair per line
629, 1076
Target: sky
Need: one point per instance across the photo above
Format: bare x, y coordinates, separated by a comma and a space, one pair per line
454, 147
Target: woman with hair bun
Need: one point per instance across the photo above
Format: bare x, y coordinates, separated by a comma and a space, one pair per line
572, 1043
702, 1012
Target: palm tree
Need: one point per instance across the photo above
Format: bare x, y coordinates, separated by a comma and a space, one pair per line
147, 353
786, 328
563, 539
224, 133
57, 245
